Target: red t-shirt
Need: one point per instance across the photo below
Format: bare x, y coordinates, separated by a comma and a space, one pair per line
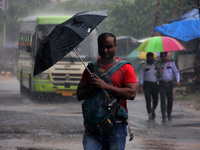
122, 76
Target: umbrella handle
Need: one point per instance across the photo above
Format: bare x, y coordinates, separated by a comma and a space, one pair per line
82, 61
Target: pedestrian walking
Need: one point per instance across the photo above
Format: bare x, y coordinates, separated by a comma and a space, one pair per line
148, 84
124, 85
166, 72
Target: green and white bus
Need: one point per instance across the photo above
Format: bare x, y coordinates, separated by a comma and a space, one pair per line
64, 76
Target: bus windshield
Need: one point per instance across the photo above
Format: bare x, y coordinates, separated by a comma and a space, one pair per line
87, 49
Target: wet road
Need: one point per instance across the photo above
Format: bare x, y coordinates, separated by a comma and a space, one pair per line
56, 123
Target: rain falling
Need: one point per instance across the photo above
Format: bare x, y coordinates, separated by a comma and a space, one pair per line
42, 112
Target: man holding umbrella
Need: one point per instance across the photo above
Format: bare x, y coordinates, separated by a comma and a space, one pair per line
148, 83
124, 85
62, 40
166, 72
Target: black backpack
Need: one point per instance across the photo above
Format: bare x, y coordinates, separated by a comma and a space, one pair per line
101, 108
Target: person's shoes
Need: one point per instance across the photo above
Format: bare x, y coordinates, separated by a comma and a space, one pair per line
169, 118
163, 120
153, 116
150, 117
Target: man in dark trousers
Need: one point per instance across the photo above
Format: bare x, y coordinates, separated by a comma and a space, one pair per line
166, 72
148, 84
124, 86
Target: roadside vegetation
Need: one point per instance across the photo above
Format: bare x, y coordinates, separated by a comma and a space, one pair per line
188, 100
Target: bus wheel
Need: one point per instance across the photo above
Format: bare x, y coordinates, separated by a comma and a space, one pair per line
22, 88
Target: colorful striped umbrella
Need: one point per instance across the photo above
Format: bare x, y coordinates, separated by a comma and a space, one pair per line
140, 55
160, 44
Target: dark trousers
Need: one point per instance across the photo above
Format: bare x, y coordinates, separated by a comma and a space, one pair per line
150, 91
166, 90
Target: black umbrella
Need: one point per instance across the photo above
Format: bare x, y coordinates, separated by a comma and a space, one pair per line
65, 37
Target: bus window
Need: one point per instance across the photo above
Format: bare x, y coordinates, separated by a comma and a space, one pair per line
42, 32
20, 40
28, 47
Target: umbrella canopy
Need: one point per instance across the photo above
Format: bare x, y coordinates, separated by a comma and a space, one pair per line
65, 37
185, 28
125, 45
160, 44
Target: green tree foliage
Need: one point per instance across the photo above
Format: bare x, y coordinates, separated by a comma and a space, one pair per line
125, 17
130, 17
73, 7
168, 7
18, 9
136, 17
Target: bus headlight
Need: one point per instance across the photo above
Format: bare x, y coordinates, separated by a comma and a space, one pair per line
44, 76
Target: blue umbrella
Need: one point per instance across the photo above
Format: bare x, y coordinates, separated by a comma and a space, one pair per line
185, 28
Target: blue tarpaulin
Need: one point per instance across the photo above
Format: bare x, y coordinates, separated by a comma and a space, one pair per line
185, 28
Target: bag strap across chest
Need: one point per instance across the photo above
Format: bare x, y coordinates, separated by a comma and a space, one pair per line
111, 70
105, 75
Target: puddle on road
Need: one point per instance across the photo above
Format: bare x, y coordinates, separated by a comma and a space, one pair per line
152, 144
32, 148
195, 125
73, 143
159, 144
76, 144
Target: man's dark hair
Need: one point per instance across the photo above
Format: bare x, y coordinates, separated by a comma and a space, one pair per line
103, 36
149, 54
162, 53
